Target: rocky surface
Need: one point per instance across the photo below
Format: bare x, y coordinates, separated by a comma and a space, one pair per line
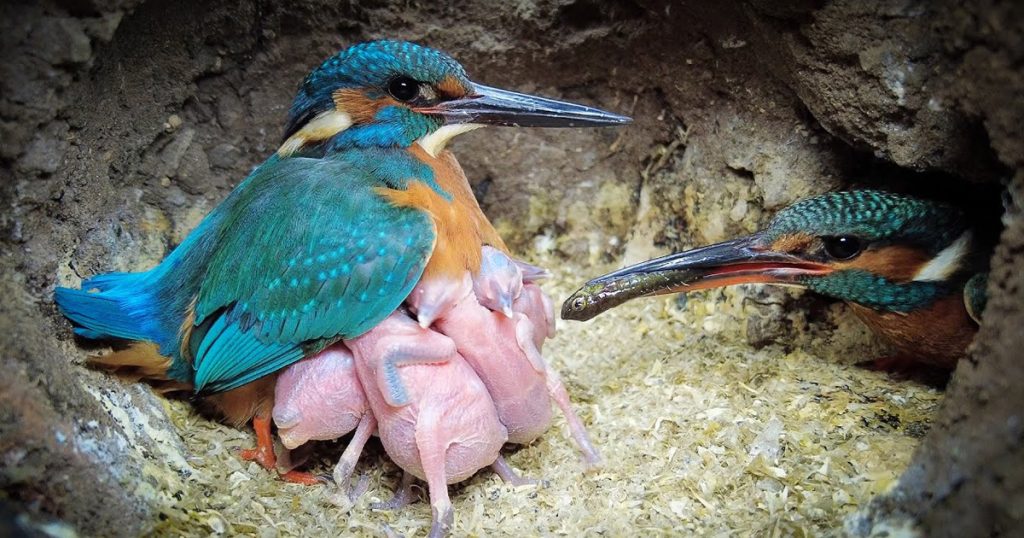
123, 122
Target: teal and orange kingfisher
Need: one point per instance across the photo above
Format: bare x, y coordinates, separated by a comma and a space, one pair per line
913, 270
323, 240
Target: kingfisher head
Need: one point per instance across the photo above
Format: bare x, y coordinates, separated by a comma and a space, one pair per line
395, 93
881, 250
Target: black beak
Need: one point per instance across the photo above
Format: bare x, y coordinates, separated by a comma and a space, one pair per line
493, 106
739, 261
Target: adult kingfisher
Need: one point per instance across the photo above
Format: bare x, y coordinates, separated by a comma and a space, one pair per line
325, 238
913, 270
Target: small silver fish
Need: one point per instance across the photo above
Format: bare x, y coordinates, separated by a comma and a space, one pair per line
743, 260
606, 292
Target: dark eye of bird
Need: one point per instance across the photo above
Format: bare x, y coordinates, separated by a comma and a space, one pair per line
842, 247
404, 88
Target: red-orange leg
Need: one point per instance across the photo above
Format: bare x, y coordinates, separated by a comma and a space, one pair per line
264, 454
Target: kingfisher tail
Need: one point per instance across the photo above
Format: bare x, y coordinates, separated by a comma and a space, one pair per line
119, 305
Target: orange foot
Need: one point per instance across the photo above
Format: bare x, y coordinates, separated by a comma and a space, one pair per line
305, 479
264, 455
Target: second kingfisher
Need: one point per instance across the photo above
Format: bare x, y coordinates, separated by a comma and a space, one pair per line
913, 270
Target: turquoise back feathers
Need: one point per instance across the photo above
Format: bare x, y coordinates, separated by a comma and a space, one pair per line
300, 253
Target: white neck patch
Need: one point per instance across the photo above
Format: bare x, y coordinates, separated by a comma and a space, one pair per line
945, 263
435, 142
323, 126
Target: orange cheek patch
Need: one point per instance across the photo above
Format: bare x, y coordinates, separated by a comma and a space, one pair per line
358, 106
792, 243
895, 263
451, 87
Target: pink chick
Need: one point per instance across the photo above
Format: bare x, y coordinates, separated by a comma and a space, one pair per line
434, 415
504, 351
320, 399
537, 307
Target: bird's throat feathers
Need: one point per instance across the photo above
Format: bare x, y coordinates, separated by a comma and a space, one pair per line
915, 333
436, 142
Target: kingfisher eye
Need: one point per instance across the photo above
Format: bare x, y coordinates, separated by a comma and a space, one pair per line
404, 88
842, 247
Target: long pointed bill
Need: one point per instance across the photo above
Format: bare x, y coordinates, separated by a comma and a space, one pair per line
740, 261
493, 106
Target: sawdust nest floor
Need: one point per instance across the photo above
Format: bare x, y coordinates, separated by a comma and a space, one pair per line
698, 434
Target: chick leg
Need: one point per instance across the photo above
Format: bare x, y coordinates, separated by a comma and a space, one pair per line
347, 463
591, 458
433, 449
509, 475
403, 495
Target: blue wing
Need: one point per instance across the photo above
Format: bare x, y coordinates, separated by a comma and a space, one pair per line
305, 251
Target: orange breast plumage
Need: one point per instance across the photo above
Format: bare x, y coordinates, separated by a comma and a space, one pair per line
459, 224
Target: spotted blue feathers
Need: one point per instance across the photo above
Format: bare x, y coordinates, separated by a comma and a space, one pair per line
366, 64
